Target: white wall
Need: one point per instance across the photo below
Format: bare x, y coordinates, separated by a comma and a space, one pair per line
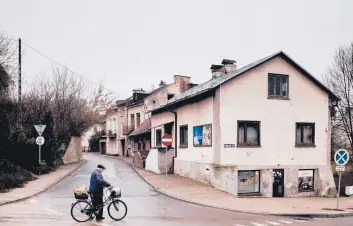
196, 114
245, 98
152, 161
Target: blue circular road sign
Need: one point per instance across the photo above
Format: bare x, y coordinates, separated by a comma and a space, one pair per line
341, 157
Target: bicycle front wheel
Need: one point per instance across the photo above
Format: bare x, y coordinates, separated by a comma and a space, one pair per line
82, 211
117, 208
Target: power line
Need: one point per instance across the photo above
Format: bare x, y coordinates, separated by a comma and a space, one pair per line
45, 56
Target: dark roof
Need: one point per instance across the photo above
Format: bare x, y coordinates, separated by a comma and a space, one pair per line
216, 66
225, 61
119, 103
216, 82
145, 127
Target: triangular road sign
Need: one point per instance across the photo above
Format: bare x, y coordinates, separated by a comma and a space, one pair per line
40, 129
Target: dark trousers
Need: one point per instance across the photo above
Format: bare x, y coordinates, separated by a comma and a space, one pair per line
98, 200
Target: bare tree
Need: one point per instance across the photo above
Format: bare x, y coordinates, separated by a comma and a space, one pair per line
73, 108
339, 78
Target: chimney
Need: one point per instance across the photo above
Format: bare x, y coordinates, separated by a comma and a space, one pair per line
162, 83
217, 70
182, 82
229, 65
138, 94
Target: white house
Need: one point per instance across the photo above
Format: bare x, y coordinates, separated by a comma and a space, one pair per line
263, 129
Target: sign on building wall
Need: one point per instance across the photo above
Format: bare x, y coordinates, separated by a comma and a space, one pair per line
202, 135
306, 180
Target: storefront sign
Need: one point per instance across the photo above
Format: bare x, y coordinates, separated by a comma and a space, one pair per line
305, 173
202, 135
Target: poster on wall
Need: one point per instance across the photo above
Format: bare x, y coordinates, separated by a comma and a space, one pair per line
306, 180
202, 135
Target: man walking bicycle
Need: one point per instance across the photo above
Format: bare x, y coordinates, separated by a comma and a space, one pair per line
97, 183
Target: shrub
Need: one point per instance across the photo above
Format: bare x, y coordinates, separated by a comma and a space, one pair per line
13, 176
94, 141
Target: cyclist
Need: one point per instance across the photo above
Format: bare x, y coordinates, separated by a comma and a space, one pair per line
97, 183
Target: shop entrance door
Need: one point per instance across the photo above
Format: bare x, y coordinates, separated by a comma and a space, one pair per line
278, 183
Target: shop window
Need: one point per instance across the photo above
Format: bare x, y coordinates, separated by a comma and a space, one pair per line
306, 180
158, 137
248, 182
305, 134
248, 133
183, 136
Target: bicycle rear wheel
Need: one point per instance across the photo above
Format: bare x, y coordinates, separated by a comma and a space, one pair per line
82, 211
117, 207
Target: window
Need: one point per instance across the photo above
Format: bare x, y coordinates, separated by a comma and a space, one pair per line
248, 133
277, 85
184, 136
306, 180
138, 120
144, 144
132, 121
248, 182
158, 137
305, 134
139, 145
170, 96
168, 128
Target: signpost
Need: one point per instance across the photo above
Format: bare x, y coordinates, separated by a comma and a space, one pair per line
166, 141
341, 158
40, 140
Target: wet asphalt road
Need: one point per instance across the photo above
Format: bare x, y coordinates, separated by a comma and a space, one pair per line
145, 206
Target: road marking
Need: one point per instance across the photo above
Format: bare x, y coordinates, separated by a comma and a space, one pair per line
272, 223
256, 224
238, 225
300, 221
286, 222
33, 201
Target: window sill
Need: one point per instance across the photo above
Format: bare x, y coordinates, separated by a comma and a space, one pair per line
306, 191
183, 146
248, 146
257, 194
277, 98
305, 146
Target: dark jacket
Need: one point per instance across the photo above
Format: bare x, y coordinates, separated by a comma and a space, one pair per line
97, 183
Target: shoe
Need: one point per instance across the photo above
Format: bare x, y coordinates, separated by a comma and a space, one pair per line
100, 218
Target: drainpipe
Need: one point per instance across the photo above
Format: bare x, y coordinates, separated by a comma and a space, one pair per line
175, 137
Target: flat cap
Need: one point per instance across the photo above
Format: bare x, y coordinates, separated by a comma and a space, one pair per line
100, 166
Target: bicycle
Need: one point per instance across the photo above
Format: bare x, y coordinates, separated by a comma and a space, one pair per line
89, 212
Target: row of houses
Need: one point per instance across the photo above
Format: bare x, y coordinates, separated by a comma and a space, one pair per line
260, 130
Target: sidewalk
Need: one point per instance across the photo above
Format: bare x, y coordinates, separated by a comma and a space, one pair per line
43, 183
196, 192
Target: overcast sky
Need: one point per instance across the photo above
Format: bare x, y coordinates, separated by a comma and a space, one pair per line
134, 44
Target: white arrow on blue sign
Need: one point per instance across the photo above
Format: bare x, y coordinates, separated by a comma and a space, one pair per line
341, 157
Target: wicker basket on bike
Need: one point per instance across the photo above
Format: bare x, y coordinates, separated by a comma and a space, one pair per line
81, 192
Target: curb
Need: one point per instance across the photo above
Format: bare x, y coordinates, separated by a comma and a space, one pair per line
47, 187
336, 215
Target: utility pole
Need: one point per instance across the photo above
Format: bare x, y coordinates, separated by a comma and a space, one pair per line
19, 81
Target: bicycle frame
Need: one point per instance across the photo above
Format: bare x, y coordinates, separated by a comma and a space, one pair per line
106, 202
